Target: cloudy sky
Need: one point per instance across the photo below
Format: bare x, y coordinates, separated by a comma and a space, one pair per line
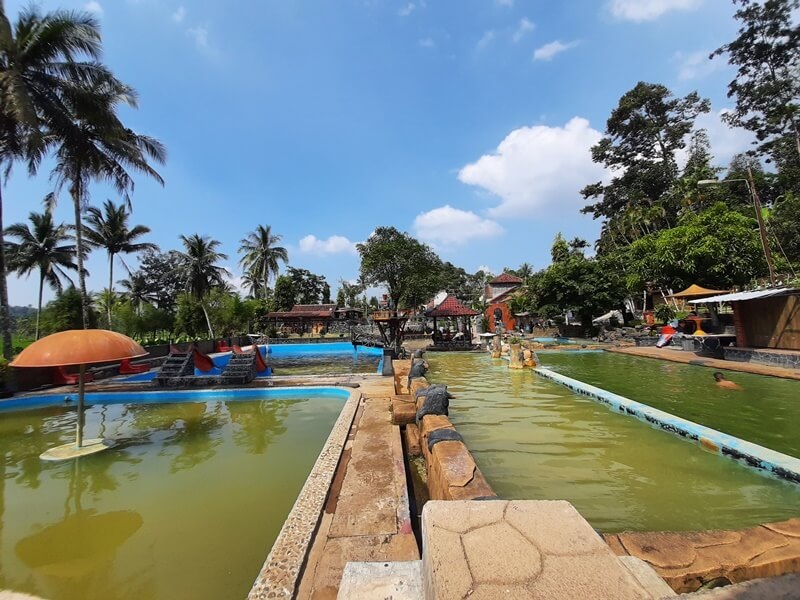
467, 124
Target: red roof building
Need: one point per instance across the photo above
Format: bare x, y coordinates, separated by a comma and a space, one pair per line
497, 293
311, 318
451, 307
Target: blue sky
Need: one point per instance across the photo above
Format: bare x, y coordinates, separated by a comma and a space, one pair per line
467, 124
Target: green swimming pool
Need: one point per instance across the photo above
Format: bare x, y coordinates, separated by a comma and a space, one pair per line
187, 505
534, 439
766, 411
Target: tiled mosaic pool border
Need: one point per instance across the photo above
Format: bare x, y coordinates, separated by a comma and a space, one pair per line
281, 571
752, 455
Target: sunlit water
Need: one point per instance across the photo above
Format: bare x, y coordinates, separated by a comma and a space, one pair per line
534, 439
187, 505
765, 411
323, 358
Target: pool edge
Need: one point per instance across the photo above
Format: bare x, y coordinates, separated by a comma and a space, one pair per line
751, 455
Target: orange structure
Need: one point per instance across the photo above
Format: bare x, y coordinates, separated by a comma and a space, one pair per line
497, 294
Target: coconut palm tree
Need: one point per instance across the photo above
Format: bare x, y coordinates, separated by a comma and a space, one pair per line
95, 145
199, 270
42, 56
261, 255
136, 292
45, 246
108, 228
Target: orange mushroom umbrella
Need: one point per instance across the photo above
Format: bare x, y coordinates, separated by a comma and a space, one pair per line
78, 347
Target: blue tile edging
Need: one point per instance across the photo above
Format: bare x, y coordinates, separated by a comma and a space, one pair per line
752, 455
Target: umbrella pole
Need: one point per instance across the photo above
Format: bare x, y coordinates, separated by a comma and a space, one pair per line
79, 428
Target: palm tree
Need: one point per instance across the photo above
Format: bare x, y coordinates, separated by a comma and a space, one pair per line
199, 270
94, 145
136, 292
252, 283
109, 229
261, 255
42, 247
42, 56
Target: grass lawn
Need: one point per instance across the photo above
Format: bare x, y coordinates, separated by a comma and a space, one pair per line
17, 342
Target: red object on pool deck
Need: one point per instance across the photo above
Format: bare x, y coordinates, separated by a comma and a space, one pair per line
261, 365
126, 368
202, 361
61, 377
222, 346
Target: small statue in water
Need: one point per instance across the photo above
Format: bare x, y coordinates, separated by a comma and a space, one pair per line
436, 400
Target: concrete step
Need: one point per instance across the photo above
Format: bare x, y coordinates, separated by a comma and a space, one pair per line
378, 581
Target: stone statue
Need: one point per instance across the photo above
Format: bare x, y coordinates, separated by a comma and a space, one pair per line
436, 400
418, 369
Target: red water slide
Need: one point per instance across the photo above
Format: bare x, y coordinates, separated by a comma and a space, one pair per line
261, 365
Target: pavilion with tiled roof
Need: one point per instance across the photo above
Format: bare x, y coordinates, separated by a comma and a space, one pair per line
452, 308
305, 318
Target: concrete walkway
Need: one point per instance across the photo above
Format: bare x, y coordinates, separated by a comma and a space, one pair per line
367, 516
690, 358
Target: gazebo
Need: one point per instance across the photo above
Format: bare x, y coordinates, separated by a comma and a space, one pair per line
695, 291
452, 308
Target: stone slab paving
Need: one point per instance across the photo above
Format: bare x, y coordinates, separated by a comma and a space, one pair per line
519, 549
687, 560
369, 519
692, 359
379, 581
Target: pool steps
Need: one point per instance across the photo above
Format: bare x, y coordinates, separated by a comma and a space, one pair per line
752, 455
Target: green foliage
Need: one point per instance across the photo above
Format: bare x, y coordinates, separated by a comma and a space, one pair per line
64, 312
308, 288
716, 248
784, 225
161, 281
665, 312
642, 136
588, 286
515, 340
260, 258
189, 317
284, 293
766, 87
408, 268
560, 249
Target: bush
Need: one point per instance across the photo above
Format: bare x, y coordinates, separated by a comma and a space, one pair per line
514, 340
665, 313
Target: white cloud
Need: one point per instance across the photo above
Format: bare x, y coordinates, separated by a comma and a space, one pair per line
548, 51
426, 43
538, 169
450, 226
93, 7
485, 269
407, 9
696, 65
179, 15
525, 27
200, 35
486, 39
335, 244
648, 10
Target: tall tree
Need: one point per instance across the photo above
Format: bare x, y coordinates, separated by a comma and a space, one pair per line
198, 269
135, 291
642, 135
408, 268
262, 255
42, 58
161, 273
93, 144
44, 246
108, 229
767, 82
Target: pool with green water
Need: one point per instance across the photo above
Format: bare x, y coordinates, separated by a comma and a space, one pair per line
187, 505
766, 411
534, 439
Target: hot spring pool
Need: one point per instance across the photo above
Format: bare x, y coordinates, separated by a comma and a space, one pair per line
187, 505
766, 411
534, 439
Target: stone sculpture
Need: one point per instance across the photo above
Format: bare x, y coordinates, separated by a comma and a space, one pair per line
418, 369
436, 400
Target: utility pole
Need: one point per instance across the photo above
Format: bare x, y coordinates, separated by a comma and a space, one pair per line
761, 229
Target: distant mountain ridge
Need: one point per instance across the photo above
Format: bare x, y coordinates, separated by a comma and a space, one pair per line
21, 311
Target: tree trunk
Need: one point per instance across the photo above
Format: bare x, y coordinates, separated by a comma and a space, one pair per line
76, 200
109, 300
39, 307
208, 321
5, 311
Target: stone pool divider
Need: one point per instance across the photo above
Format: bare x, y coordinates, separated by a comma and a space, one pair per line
752, 455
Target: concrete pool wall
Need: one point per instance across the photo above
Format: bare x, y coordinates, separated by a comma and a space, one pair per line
755, 456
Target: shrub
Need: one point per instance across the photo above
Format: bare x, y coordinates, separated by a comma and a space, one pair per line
665, 313
514, 340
